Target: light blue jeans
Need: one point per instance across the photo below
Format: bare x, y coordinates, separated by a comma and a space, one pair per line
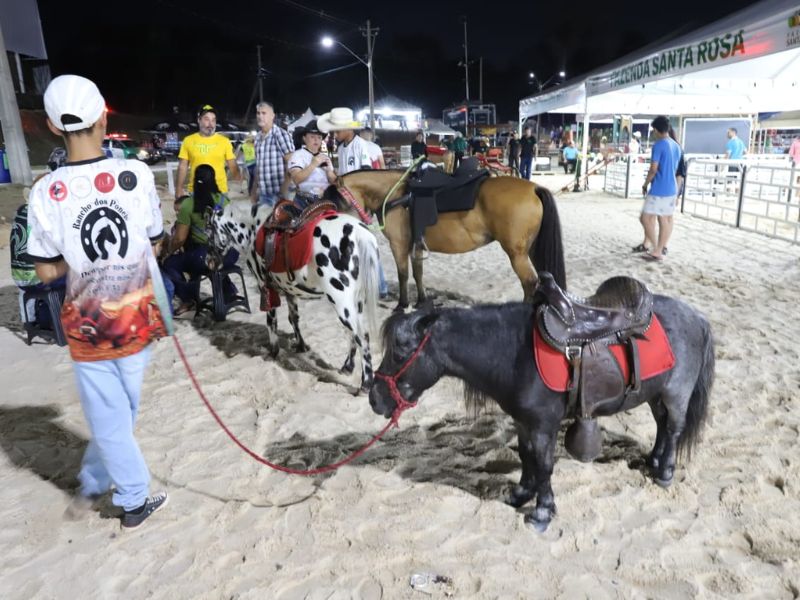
110, 391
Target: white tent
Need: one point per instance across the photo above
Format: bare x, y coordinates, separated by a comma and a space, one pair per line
304, 120
746, 63
743, 64
437, 127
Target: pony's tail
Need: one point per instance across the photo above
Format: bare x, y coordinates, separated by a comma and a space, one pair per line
697, 411
370, 261
547, 252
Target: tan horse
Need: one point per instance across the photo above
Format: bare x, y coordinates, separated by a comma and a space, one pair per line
518, 214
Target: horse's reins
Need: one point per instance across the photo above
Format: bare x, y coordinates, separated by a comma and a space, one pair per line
362, 213
391, 380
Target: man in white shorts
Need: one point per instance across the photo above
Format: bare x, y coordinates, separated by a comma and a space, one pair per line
660, 200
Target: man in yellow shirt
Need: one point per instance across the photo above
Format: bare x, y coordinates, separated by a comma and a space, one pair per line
206, 147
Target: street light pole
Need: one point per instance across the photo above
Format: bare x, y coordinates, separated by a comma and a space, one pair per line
370, 33
17, 150
370, 48
260, 77
466, 80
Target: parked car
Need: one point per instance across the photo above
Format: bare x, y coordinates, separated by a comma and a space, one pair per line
119, 145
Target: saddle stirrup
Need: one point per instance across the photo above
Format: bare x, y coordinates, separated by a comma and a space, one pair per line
420, 250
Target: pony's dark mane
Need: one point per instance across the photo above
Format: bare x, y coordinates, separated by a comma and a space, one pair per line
466, 319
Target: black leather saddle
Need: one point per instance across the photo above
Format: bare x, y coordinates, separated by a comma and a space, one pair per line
432, 192
619, 312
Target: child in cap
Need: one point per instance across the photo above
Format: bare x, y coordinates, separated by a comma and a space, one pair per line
98, 220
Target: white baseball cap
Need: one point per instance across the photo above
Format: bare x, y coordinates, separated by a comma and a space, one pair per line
73, 102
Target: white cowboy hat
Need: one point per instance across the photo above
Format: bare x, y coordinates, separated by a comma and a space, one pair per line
637, 134
337, 119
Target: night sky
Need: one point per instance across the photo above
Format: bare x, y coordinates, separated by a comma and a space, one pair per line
149, 55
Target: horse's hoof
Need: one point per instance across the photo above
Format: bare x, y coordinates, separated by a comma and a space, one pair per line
424, 304
347, 369
400, 308
664, 483
273, 352
539, 526
518, 499
300, 348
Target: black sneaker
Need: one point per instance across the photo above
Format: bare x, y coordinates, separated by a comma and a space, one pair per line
133, 518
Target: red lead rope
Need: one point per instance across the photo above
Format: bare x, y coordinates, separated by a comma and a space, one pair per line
324, 469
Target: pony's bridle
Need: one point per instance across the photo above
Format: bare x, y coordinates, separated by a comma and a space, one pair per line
401, 404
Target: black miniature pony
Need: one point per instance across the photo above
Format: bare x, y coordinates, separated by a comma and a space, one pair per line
490, 349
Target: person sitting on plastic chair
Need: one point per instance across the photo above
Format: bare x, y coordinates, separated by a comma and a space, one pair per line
23, 271
190, 235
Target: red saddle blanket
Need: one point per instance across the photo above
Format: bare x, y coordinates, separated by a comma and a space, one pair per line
298, 250
655, 357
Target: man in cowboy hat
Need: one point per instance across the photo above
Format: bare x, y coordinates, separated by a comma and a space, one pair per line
354, 153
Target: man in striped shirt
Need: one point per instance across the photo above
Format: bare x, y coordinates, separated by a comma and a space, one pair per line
274, 146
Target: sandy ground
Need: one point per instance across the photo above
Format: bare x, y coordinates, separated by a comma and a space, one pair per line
428, 498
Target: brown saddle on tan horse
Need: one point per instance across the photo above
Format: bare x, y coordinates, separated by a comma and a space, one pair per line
583, 329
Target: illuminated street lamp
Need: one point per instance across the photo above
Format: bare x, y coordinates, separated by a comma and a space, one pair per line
370, 33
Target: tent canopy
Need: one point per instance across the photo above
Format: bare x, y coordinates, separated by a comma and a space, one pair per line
781, 120
745, 63
304, 120
437, 127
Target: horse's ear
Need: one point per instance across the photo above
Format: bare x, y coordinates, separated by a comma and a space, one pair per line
425, 322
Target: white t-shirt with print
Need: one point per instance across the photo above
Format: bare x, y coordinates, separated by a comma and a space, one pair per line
316, 183
358, 154
101, 217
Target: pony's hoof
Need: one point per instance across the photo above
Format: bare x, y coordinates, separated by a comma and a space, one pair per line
424, 304
533, 522
273, 352
664, 483
518, 497
302, 347
400, 308
346, 369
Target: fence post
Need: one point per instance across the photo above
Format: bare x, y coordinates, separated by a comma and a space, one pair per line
685, 183
170, 178
627, 176
791, 183
741, 196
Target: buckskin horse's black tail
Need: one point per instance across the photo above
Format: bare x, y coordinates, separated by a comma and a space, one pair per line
547, 252
697, 411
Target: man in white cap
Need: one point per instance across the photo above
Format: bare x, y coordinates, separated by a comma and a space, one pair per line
354, 153
98, 220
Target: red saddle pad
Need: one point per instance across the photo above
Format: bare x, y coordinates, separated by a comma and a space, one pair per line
655, 357
298, 251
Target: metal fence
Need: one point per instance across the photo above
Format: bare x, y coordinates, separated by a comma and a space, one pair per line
624, 177
760, 194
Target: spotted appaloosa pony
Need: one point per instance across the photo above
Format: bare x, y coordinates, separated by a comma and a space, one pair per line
490, 348
343, 269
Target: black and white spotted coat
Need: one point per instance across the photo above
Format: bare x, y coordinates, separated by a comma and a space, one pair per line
343, 269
